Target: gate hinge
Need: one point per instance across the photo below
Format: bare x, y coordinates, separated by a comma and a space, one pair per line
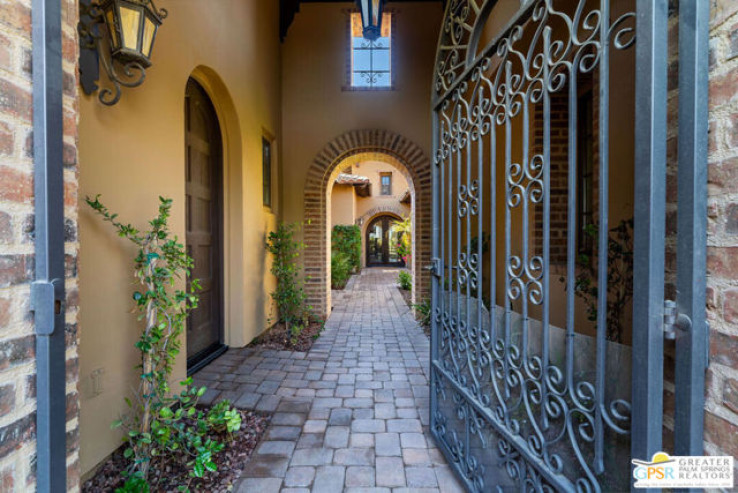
435, 267
46, 304
673, 320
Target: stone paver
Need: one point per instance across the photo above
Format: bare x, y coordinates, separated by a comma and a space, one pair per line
350, 415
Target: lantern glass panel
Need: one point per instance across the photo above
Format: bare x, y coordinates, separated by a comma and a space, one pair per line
147, 42
130, 21
375, 12
365, 12
110, 18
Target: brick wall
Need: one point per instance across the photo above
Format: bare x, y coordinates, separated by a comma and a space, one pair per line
318, 178
559, 167
17, 342
721, 416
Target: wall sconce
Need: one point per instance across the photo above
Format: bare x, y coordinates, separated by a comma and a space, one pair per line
120, 35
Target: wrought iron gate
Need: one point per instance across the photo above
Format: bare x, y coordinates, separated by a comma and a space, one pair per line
550, 138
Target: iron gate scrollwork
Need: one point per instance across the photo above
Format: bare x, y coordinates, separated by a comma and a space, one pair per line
517, 402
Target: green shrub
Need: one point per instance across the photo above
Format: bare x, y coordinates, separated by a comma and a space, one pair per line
405, 280
289, 295
340, 270
161, 422
346, 240
423, 312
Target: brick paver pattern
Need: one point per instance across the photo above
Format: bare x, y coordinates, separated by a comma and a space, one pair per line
350, 415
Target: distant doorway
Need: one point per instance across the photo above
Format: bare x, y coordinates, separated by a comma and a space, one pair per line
204, 225
382, 239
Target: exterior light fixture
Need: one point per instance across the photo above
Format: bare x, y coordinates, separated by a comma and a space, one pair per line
371, 18
120, 35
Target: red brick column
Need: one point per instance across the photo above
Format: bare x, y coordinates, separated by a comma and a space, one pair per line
17, 341
721, 413
351, 143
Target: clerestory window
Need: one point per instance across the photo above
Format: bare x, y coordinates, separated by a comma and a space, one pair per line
371, 61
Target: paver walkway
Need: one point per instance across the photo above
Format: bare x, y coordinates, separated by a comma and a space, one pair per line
351, 414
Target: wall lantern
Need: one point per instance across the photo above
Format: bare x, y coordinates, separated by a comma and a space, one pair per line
120, 35
371, 18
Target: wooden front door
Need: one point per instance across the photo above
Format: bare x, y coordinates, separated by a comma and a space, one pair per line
204, 217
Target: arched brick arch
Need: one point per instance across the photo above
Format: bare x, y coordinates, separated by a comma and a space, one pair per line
417, 164
364, 221
382, 209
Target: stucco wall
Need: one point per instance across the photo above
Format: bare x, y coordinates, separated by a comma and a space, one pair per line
373, 170
134, 151
314, 74
343, 205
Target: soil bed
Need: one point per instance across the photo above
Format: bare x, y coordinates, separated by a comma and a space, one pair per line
278, 338
171, 474
408, 297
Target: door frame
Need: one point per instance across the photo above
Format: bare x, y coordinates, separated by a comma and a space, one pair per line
383, 217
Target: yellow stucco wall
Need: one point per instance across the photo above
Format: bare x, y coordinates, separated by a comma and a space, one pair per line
133, 152
315, 104
347, 206
343, 205
373, 170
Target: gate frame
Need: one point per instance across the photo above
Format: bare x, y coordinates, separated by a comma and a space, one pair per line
649, 324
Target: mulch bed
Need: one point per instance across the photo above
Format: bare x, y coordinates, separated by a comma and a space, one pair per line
278, 338
173, 473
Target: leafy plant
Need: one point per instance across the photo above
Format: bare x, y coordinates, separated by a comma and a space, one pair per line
340, 270
619, 277
404, 238
423, 312
346, 240
405, 280
161, 423
289, 295
222, 417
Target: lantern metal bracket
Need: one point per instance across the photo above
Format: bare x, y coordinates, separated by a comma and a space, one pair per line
94, 51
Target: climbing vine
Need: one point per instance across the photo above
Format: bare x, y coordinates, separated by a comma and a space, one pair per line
160, 422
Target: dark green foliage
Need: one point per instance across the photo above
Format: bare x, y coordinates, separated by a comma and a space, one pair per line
347, 240
134, 485
345, 254
161, 423
289, 294
619, 277
405, 280
423, 312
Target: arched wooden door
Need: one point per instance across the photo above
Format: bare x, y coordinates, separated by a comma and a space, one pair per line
204, 219
382, 238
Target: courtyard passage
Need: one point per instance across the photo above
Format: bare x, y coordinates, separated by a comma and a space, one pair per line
349, 415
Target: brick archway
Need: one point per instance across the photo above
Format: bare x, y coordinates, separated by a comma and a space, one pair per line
385, 142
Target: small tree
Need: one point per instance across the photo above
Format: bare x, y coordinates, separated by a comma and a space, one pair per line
289, 294
159, 421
